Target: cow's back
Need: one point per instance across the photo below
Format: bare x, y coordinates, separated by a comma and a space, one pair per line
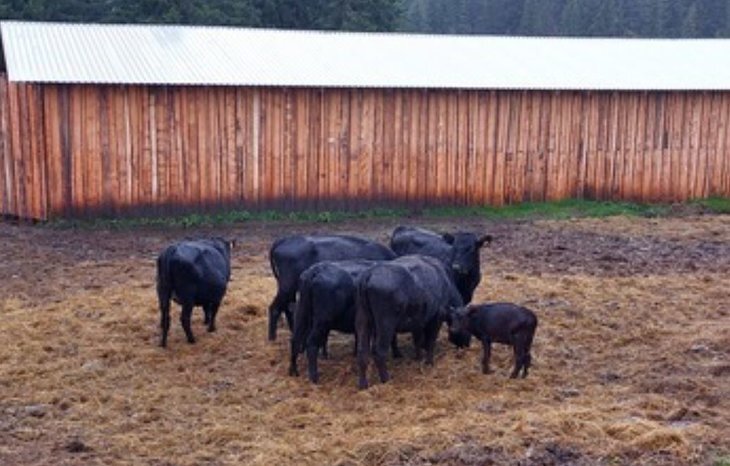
412, 240
197, 271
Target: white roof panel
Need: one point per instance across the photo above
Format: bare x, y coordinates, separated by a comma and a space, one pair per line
200, 55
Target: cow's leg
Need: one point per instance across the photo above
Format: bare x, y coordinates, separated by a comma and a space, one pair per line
380, 351
212, 312
325, 354
487, 346
187, 312
430, 335
164, 299
363, 354
278, 305
519, 343
316, 339
395, 351
418, 343
294, 349
206, 314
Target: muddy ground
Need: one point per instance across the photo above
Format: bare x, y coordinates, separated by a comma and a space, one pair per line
631, 357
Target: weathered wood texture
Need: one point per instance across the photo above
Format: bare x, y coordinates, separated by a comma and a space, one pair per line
69, 150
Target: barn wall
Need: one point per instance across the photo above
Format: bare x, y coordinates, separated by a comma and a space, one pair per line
79, 149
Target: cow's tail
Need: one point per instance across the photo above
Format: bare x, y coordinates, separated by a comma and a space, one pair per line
364, 320
304, 314
272, 262
164, 278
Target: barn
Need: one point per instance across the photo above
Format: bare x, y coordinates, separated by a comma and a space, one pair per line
127, 119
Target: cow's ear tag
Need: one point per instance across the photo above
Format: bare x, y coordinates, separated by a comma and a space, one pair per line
233, 243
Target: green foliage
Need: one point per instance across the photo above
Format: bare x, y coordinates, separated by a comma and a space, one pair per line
717, 205
557, 210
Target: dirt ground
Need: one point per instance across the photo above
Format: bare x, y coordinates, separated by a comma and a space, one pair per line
631, 356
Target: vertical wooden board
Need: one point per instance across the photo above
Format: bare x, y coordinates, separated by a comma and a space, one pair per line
163, 123
430, 187
532, 118
77, 149
377, 144
232, 165
52, 150
521, 163
386, 140
417, 113
400, 146
510, 144
725, 172
313, 156
504, 109
615, 163
675, 143
707, 136
562, 159
472, 120
718, 187
336, 126
343, 150
287, 146
32, 156
458, 159
6, 179
628, 143
553, 158
207, 156
660, 162
492, 130
418, 176
245, 143
400, 188
666, 164
19, 113
545, 145
695, 140
92, 153
355, 100
442, 130
588, 189
452, 146
477, 138
581, 126
105, 154
115, 128
366, 147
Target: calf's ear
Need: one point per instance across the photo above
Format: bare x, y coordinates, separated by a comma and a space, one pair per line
486, 239
448, 237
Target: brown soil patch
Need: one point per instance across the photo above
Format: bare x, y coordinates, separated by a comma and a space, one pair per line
631, 357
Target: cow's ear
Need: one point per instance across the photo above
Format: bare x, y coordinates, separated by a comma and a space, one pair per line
486, 239
471, 310
448, 237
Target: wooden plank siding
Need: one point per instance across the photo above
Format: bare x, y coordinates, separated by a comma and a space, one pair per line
77, 150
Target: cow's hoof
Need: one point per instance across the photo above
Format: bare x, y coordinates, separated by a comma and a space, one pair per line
362, 385
293, 372
211, 329
191, 340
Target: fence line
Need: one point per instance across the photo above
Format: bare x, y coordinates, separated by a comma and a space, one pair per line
70, 150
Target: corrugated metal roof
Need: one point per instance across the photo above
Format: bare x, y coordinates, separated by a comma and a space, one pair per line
192, 55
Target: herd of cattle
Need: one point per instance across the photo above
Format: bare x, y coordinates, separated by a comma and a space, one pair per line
356, 286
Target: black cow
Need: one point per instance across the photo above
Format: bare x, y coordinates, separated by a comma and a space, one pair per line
458, 251
292, 255
193, 273
326, 302
409, 294
505, 323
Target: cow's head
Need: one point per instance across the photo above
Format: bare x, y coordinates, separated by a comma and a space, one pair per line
458, 321
465, 260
